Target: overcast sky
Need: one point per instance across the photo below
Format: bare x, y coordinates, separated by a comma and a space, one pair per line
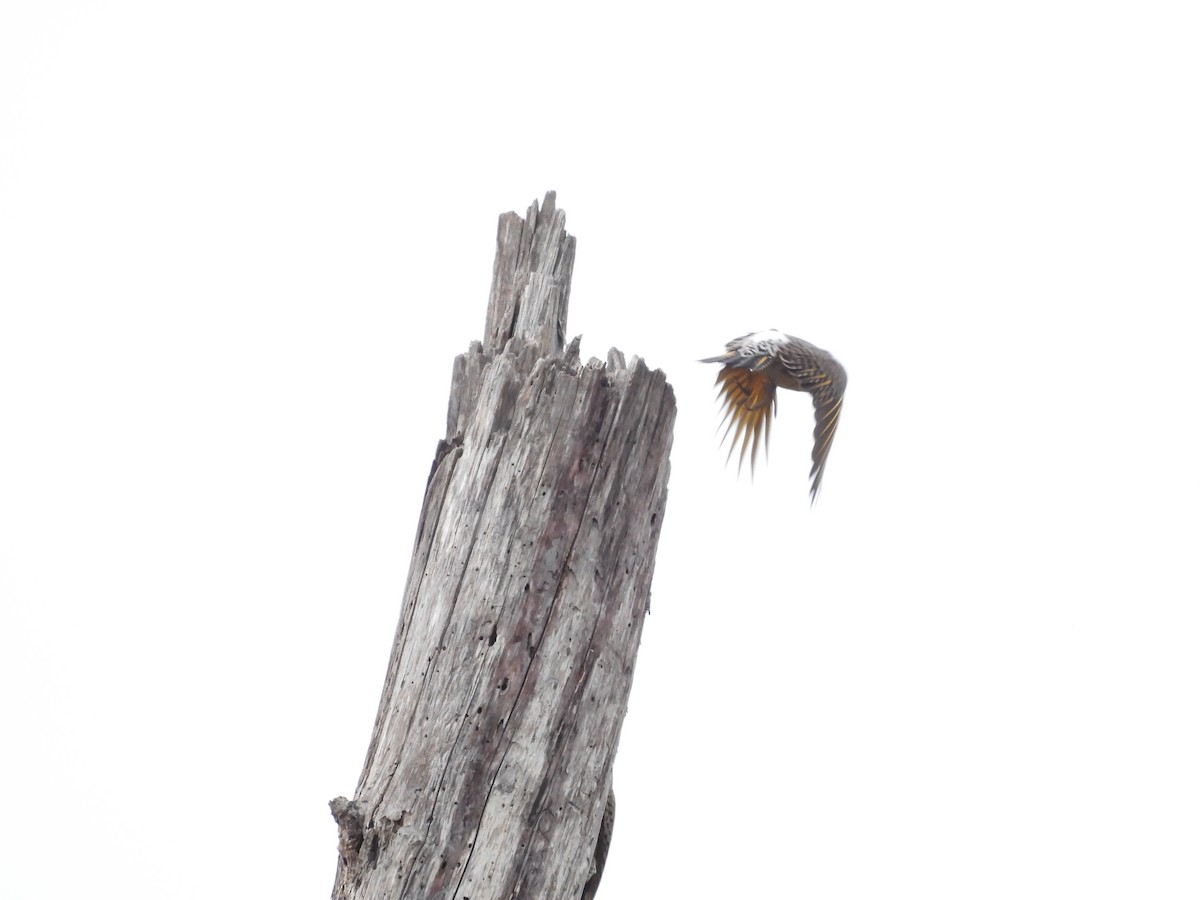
241, 243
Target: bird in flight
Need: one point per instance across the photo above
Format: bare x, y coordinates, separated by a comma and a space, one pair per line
755, 365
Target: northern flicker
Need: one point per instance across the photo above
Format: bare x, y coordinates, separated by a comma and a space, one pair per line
755, 365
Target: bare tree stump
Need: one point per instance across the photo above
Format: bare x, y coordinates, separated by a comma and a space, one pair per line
491, 757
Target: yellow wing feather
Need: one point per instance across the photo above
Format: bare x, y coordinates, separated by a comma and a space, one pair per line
749, 404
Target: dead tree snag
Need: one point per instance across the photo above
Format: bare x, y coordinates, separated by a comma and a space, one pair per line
491, 757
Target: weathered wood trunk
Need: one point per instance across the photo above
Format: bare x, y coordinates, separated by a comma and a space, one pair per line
492, 751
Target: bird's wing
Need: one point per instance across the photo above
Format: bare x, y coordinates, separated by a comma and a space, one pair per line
828, 404
749, 403
818, 373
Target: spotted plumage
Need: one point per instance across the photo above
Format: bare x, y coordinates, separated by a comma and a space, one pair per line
754, 366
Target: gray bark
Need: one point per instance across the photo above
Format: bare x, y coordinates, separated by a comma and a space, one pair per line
491, 757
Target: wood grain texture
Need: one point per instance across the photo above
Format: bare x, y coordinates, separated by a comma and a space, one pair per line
531, 279
491, 757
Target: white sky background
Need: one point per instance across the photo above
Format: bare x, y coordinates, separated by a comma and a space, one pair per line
241, 243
